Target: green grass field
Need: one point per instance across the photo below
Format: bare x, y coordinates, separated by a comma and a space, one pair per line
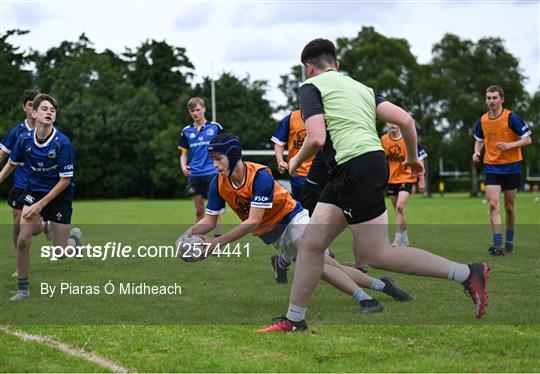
211, 325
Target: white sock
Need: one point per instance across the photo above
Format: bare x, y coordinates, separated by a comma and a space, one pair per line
361, 295
295, 313
405, 237
458, 272
377, 284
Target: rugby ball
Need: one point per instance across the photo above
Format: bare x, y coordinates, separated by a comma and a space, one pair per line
190, 247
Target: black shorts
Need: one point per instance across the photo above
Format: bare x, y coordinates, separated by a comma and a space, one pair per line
393, 188
198, 185
506, 181
357, 187
310, 195
59, 210
13, 198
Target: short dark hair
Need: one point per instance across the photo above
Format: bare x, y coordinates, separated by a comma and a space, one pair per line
44, 97
495, 88
319, 52
29, 95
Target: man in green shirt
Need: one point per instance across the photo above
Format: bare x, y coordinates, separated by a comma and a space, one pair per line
340, 117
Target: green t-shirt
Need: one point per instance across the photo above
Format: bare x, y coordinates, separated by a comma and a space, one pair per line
350, 115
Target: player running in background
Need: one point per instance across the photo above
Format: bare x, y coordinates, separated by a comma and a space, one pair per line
291, 131
20, 178
340, 114
48, 156
400, 181
268, 211
194, 160
503, 133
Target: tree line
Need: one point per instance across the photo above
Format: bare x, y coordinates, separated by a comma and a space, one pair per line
124, 111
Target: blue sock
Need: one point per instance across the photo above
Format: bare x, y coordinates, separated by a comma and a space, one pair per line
23, 283
509, 235
360, 295
497, 239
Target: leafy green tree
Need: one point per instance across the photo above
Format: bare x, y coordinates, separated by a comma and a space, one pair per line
289, 85
532, 151
384, 64
241, 108
15, 77
164, 68
110, 121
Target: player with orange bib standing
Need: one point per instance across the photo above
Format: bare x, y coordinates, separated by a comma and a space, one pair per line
502, 133
400, 181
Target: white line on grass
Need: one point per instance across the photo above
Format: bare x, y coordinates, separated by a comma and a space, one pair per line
70, 350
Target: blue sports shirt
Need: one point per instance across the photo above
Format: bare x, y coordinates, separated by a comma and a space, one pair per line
196, 143
46, 162
20, 177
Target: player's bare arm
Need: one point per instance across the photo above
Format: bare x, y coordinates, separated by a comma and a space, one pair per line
6, 171
518, 143
282, 164
389, 112
478, 145
252, 222
184, 163
204, 226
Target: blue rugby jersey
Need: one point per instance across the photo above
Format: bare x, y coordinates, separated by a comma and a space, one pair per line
196, 143
20, 177
46, 162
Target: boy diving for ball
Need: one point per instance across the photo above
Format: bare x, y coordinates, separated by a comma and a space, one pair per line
268, 211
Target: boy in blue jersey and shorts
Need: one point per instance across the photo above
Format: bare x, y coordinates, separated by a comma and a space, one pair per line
48, 156
196, 165
20, 178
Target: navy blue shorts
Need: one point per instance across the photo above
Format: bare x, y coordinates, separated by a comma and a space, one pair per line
393, 188
59, 210
13, 198
296, 187
506, 181
198, 185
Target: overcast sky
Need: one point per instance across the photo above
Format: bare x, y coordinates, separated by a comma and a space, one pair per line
264, 38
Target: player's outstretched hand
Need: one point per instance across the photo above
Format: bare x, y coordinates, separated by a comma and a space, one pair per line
415, 166
476, 157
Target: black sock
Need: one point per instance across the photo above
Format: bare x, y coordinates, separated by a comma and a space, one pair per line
23, 283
